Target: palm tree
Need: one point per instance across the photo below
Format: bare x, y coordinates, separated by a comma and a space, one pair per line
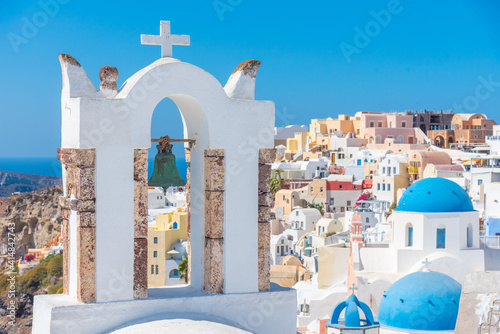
183, 268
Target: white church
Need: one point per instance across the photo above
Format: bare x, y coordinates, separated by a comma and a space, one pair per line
105, 207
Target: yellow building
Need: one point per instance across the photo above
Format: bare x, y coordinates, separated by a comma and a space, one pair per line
295, 144
170, 227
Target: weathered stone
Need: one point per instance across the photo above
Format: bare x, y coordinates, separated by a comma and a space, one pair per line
264, 214
187, 153
214, 278
85, 219
71, 180
82, 206
264, 178
108, 76
85, 183
266, 199
264, 240
65, 240
140, 267
141, 165
64, 202
140, 209
264, 266
214, 152
214, 214
214, 173
267, 155
81, 157
86, 264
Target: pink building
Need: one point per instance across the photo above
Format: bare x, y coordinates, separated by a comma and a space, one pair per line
377, 127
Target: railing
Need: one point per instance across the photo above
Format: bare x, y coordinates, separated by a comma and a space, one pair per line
492, 137
413, 170
489, 242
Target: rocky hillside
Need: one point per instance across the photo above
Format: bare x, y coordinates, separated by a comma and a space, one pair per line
37, 219
11, 182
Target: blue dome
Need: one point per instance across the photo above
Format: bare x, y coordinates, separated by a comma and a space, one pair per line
351, 315
421, 301
435, 195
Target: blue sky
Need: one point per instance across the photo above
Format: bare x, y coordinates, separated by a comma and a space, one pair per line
425, 55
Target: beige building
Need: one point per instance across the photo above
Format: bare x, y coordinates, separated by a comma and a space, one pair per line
284, 202
289, 273
419, 160
170, 228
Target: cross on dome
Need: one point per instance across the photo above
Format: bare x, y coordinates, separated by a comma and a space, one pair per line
426, 264
165, 39
353, 288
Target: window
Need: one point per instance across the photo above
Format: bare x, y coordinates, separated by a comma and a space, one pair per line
174, 273
156, 269
367, 220
383, 170
175, 226
312, 189
383, 187
403, 124
340, 186
409, 235
155, 254
155, 240
441, 237
152, 269
342, 209
470, 241
394, 170
348, 203
388, 187
372, 124
479, 182
321, 189
331, 201
379, 124
378, 186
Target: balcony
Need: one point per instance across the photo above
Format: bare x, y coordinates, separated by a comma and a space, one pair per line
486, 241
413, 170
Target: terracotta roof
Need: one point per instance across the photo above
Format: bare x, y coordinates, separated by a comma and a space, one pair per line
459, 168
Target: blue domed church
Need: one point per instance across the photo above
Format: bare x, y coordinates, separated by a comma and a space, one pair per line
435, 221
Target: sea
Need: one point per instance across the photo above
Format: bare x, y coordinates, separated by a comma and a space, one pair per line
50, 166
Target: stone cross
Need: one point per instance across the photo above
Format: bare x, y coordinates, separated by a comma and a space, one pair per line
353, 288
165, 39
426, 264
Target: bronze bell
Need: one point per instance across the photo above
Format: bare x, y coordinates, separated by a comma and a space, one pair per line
165, 172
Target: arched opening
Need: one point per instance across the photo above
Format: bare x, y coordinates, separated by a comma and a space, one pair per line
441, 237
439, 141
409, 235
400, 139
422, 126
371, 140
470, 236
378, 139
451, 140
174, 273
168, 218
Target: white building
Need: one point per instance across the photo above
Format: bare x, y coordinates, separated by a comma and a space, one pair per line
303, 169
281, 134
156, 198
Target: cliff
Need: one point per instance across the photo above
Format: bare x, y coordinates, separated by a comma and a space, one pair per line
11, 182
37, 219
